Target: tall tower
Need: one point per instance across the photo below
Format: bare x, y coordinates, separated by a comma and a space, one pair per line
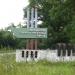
31, 22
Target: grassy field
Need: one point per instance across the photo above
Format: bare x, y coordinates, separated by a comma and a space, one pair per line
8, 66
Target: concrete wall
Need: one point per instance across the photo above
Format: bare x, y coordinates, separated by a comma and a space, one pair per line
50, 55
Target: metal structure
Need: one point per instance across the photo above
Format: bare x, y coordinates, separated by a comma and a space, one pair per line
31, 23
31, 17
32, 32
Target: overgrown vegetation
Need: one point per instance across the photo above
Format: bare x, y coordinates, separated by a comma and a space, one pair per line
9, 42
8, 66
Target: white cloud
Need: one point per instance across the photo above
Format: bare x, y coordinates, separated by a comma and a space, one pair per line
11, 11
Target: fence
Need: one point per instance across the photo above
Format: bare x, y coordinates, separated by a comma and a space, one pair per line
50, 55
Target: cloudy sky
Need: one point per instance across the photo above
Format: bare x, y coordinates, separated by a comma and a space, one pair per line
11, 11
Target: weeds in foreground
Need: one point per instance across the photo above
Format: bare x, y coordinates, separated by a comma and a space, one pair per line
8, 66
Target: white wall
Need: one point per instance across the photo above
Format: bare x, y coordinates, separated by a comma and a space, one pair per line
50, 55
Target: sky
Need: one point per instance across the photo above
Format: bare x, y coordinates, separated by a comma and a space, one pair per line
11, 11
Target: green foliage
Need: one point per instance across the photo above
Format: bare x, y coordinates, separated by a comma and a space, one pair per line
58, 17
8, 66
6, 39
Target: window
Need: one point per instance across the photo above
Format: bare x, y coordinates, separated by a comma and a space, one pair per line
22, 53
59, 52
69, 52
35, 54
31, 54
27, 54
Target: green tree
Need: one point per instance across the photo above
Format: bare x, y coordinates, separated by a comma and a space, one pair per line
6, 39
57, 15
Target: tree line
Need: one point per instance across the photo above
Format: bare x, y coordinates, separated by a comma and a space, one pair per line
56, 15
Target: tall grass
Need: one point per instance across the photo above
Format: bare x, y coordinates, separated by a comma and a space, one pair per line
6, 49
8, 66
